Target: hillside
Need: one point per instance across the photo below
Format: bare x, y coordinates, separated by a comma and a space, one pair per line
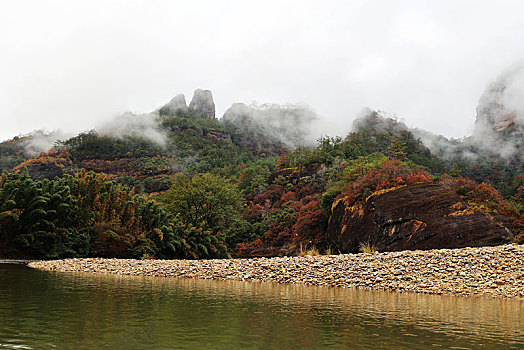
251, 184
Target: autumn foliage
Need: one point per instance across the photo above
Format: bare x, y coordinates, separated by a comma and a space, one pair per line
393, 173
223, 189
287, 214
487, 199
87, 215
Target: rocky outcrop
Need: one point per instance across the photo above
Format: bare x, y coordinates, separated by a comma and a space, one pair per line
498, 107
292, 124
47, 166
421, 216
252, 130
176, 104
238, 112
202, 101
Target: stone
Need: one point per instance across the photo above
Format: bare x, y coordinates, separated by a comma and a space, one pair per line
47, 166
176, 104
202, 102
494, 110
237, 113
375, 273
420, 216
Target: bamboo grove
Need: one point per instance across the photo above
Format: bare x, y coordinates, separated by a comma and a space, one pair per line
87, 215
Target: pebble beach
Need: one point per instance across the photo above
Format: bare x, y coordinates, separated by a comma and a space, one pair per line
496, 272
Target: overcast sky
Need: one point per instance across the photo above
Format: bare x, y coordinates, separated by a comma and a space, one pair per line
73, 64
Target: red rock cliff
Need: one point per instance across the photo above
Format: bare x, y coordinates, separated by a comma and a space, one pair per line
420, 216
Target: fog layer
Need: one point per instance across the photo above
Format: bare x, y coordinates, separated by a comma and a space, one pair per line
73, 65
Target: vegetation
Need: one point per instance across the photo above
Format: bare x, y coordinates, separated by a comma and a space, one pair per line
367, 248
208, 201
12, 153
218, 189
86, 215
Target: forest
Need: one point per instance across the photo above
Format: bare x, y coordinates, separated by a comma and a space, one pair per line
219, 189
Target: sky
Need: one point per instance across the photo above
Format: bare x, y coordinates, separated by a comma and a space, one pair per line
73, 65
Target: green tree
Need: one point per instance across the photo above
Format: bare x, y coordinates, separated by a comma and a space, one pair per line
397, 148
206, 200
455, 171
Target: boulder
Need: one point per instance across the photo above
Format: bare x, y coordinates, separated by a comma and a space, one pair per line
177, 103
420, 216
202, 101
238, 112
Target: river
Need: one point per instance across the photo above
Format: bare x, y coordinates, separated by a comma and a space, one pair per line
49, 310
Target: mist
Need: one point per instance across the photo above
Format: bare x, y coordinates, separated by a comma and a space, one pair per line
513, 98
294, 125
72, 65
42, 141
146, 126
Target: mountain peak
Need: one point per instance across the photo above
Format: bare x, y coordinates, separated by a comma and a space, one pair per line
500, 105
203, 101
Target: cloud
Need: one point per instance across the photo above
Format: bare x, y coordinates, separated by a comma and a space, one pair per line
294, 125
74, 64
146, 126
513, 97
42, 141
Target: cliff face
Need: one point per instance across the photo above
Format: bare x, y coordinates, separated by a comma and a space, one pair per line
421, 216
202, 101
499, 105
491, 111
177, 103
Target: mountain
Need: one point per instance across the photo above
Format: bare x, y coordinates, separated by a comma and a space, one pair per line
500, 107
253, 184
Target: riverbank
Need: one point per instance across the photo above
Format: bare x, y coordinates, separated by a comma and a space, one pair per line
487, 271
15, 261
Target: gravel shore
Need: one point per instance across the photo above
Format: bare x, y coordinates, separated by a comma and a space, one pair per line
488, 271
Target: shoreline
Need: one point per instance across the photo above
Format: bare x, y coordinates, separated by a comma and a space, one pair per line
16, 261
496, 272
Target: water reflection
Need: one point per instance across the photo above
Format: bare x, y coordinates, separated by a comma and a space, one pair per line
45, 310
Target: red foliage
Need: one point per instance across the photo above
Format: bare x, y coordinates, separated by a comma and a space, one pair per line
241, 249
309, 224
486, 198
291, 210
257, 243
393, 173
288, 196
273, 193
282, 161
254, 212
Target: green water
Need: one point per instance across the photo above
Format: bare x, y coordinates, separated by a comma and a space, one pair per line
46, 310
